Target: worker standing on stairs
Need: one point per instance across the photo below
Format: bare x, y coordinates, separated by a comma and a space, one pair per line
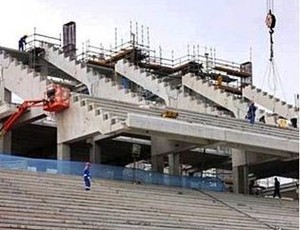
276, 188
219, 81
22, 43
87, 176
251, 112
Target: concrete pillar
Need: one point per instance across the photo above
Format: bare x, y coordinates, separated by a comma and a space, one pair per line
157, 161
240, 171
5, 140
44, 68
240, 179
5, 143
63, 152
2, 95
63, 157
161, 146
174, 166
95, 153
240, 168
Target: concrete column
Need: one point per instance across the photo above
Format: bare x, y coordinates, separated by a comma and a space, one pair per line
240, 168
63, 157
44, 68
5, 143
240, 171
161, 146
63, 152
157, 163
174, 166
95, 153
2, 96
156, 160
240, 179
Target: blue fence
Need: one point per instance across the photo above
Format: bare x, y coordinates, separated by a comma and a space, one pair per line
110, 172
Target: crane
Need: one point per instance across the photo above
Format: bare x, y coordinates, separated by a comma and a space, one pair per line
57, 99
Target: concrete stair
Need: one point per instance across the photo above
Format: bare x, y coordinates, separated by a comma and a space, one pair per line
121, 111
16, 78
89, 119
118, 205
147, 81
238, 106
98, 84
284, 213
172, 97
270, 102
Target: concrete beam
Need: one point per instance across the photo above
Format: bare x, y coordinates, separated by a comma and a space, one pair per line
195, 132
167, 146
262, 150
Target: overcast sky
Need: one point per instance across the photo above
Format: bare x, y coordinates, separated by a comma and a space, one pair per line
232, 27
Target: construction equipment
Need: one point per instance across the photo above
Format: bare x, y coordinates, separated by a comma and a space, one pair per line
57, 98
170, 114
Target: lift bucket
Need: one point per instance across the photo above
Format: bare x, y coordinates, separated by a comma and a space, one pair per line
58, 98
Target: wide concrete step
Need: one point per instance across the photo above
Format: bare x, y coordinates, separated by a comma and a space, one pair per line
93, 211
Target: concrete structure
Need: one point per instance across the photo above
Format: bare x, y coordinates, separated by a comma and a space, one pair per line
172, 97
25, 204
102, 109
270, 102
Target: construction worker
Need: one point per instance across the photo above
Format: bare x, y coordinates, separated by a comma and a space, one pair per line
276, 188
251, 112
87, 176
22, 43
219, 81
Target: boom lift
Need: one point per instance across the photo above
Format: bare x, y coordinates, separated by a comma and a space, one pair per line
57, 98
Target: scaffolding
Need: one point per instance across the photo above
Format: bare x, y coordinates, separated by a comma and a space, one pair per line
234, 76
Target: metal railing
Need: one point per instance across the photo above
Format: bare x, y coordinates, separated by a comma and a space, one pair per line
37, 39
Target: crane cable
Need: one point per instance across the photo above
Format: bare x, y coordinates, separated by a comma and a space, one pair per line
271, 71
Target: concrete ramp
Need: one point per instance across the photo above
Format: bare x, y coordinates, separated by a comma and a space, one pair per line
270, 102
231, 102
98, 84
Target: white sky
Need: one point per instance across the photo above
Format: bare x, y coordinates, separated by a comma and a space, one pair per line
229, 26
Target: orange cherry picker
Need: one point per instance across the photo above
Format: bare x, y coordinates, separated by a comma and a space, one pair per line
57, 98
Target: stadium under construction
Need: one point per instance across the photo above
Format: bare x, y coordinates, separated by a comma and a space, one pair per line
129, 105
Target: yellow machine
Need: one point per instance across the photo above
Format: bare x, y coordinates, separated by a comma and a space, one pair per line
169, 114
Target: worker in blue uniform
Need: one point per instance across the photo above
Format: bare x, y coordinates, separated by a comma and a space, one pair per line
87, 176
251, 112
22, 43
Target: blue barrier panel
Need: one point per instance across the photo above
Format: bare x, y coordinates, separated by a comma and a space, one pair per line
110, 172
